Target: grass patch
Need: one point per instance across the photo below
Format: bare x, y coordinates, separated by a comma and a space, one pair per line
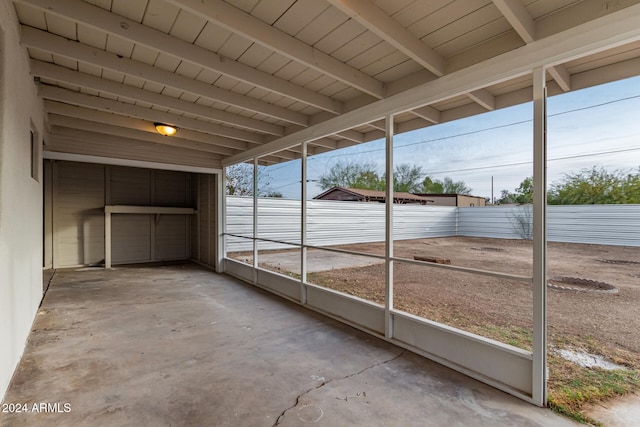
512, 335
571, 387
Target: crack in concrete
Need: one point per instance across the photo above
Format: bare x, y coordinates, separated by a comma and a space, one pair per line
297, 402
44, 294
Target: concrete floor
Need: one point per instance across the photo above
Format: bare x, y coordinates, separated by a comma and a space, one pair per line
178, 345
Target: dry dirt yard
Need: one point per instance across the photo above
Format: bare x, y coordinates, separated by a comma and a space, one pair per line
593, 303
491, 306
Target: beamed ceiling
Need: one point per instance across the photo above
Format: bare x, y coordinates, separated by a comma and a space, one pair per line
240, 77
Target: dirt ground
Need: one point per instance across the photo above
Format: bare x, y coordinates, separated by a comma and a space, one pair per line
489, 306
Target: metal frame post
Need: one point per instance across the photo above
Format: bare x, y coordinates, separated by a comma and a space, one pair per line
303, 225
539, 368
255, 220
388, 300
222, 220
107, 239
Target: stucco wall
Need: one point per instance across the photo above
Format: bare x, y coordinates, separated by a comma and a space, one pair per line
20, 197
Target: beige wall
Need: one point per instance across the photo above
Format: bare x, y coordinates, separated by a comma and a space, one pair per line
20, 197
441, 200
206, 230
79, 194
467, 201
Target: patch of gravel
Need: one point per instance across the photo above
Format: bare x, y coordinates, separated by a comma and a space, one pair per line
619, 261
488, 249
575, 284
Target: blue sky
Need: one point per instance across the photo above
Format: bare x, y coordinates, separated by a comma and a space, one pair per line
596, 126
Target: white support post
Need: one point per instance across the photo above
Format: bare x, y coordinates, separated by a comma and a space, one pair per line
303, 225
388, 300
154, 220
199, 209
209, 232
107, 217
539, 370
255, 220
222, 220
107, 239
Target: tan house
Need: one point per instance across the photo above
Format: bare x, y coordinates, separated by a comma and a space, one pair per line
461, 200
360, 195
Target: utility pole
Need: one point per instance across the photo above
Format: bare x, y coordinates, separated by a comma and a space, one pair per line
493, 200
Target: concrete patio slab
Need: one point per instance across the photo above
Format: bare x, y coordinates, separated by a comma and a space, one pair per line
179, 345
317, 260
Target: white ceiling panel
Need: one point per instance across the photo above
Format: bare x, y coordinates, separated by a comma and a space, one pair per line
61, 26
144, 54
160, 15
187, 26
65, 62
321, 26
120, 46
235, 46
133, 10
250, 91
92, 37
31, 16
271, 10
299, 15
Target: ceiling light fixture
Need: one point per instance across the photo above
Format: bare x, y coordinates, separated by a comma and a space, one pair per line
165, 129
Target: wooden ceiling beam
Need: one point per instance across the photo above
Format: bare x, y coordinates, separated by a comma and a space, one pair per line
42, 40
232, 138
103, 20
518, 17
351, 135
61, 135
88, 81
149, 135
428, 113
609, 31
561, 76
239, 22
377, 21
87, 114
484, 98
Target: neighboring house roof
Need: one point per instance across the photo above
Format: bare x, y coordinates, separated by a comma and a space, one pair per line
446, 195
375, 195
380, 196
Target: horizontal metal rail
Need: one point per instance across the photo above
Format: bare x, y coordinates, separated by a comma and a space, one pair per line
525, 279
519, 278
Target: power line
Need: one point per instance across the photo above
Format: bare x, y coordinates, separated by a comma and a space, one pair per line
478, 131
443, 138
529, 162
576, 156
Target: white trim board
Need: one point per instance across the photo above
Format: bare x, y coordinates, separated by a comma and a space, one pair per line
54, 155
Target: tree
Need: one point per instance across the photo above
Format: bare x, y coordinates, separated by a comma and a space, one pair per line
631, 187
369, 180
350, 175
431, 186
523, 194
596, 186
406, 178
240, 181
455, 187
446, 186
